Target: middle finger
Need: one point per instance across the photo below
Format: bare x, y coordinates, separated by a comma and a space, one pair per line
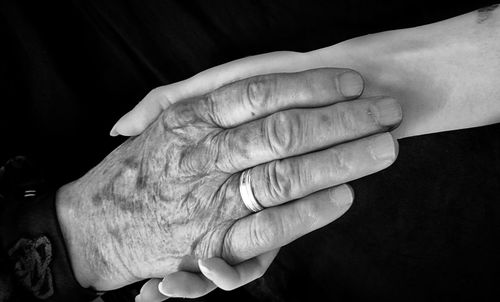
297, 131
284, 180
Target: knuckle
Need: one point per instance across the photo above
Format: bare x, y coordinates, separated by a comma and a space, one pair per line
345, 119
169, 118
199, 158
180, 114
279, 176
225, 160
258, 92
211, 110
282, 132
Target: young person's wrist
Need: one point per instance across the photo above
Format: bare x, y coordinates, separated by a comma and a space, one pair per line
386, 61
444, 74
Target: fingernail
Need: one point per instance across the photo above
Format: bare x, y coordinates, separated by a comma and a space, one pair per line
204, 269
344, 195
384, 147
387, 112
113, 131
163, 290
138, 298
350, 84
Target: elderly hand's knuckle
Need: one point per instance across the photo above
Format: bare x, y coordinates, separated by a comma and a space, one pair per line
224, 157
181, 114
210, 111
282, 132
345, 118
258, 92
278, 180
168, 117
299, 174
199, 159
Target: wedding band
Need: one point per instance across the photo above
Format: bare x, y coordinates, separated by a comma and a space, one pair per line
246, 193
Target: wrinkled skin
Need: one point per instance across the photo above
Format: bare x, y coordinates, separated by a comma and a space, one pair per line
166, 198
166, 201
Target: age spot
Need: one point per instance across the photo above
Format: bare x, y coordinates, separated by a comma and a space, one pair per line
116, 233
97, 199
131, 162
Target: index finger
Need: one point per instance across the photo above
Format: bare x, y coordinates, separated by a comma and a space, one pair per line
148, 109
259, 96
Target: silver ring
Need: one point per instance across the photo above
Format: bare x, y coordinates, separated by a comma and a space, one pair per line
246, 193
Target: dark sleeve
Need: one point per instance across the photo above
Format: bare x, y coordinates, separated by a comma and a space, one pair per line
35, 264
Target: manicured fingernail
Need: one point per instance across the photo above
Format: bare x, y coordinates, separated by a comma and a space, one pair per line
384, 147
204, 269
387, 112
163, 289
350, 84
113, 131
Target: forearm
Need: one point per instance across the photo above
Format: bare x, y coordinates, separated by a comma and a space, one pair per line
444, 74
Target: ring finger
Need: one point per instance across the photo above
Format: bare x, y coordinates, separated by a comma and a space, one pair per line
280, 181
298, 131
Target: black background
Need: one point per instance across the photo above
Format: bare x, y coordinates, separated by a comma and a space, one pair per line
426, 228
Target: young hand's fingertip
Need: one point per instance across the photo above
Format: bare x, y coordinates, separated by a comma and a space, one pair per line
131, 125
163, 289
114, 132
205, 270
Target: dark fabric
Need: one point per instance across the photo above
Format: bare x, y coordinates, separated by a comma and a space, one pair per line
34, 257
424, 229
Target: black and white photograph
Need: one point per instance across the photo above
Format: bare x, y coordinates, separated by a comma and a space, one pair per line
249, 150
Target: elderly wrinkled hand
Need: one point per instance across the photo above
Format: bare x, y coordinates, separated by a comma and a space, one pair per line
171, 196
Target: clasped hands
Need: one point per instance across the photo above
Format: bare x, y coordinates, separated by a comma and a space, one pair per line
167, 202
